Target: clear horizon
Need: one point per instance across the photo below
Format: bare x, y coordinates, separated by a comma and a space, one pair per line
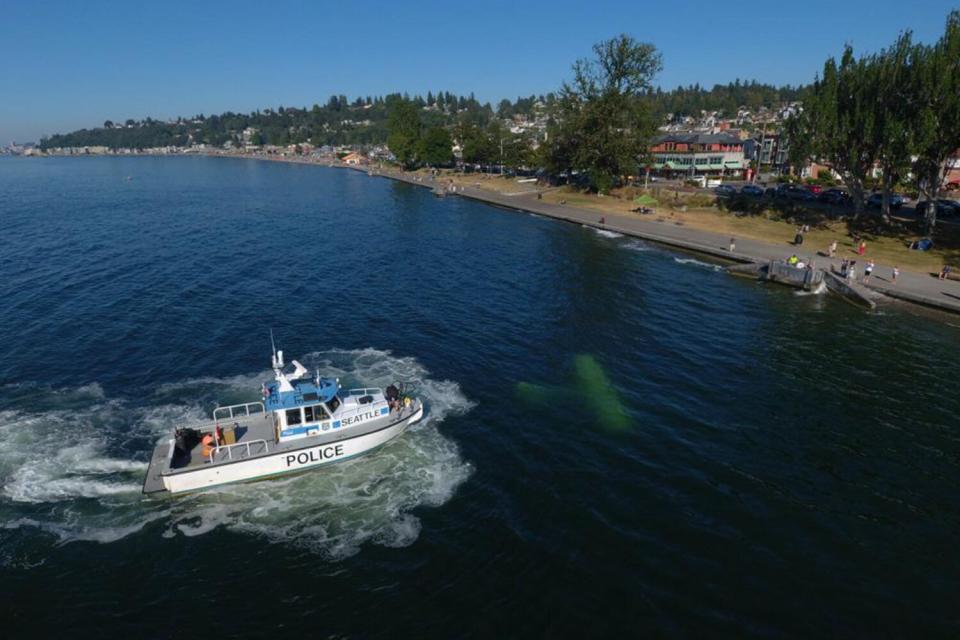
75, 66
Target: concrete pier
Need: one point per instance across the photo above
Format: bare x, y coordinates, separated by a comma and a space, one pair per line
852, 291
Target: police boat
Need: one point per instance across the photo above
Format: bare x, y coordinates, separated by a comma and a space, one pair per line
304, 422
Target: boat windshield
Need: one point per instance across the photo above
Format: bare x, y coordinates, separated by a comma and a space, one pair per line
334, 403
314, 413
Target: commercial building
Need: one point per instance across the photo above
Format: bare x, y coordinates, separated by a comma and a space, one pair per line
678, 155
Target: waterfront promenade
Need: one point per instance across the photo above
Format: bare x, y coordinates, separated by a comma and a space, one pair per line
918, 288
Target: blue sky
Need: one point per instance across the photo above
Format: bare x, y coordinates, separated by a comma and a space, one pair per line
66, 65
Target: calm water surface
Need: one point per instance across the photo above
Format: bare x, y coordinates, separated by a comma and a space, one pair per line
621, 440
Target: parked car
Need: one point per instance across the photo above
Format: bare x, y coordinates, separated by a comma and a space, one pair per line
770, 192
751, 190
876, 199
794, 192
725, 190
834, 196
782, 190
945, 208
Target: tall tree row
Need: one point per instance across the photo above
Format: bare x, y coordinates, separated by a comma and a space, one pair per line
896, 112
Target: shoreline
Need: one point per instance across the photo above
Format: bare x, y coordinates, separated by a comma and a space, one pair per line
704, 243
913, 288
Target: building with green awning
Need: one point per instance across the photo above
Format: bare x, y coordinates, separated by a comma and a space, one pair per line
692, 154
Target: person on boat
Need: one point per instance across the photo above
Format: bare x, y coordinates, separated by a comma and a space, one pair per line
393, 397
793, 260
208, 444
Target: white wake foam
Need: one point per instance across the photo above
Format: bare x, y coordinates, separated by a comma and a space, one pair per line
698, 263
605, 233
62, 472
636, 245
819, 290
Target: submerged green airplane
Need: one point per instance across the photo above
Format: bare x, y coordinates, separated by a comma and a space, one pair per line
591, 388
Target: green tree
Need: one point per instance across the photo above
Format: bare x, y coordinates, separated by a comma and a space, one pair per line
892, 132
604, 127
836, 125
403, 127
937, 114
475, 144
435, 147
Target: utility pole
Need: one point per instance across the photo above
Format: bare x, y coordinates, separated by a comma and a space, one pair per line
763, 137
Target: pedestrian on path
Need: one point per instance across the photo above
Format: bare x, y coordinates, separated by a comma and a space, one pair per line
896, 272
733, 244
862, 249
832, 250
867, 271
945, 272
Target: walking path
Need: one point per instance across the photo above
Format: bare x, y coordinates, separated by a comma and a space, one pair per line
924, 289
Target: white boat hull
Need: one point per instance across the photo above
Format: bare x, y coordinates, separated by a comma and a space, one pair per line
284, 461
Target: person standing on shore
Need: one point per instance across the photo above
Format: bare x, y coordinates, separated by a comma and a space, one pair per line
862, 248
896, 272
733, 244
832, 249
867, 270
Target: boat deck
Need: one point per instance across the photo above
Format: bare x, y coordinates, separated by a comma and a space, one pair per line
249, 432
153, 483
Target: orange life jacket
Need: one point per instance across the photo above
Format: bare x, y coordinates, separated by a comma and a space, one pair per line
207, 443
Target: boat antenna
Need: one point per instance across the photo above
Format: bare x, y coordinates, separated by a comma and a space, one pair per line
277, 359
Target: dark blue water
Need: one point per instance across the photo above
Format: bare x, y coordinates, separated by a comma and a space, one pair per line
621, 440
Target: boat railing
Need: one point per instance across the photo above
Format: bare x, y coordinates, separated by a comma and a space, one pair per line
363, 392
224, 453
235, 411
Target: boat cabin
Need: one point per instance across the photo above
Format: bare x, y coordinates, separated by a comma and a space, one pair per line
302, 406
306, 409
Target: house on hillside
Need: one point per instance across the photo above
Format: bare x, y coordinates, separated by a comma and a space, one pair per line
353, 158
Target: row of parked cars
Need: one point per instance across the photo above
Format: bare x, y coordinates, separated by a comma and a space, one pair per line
834, 196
